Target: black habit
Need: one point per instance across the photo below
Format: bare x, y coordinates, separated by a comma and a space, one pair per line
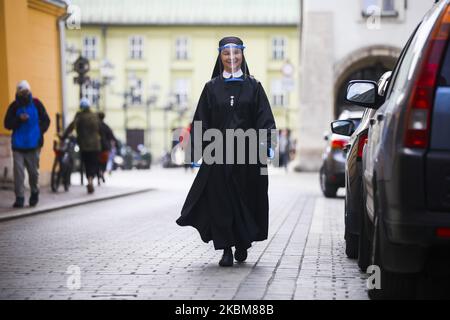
228, 203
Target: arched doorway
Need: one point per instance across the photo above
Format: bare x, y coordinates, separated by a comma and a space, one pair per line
365, 64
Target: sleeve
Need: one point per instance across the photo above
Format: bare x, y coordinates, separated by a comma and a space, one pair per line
199, 125
264, 118
44, 120
70, 128
11, 120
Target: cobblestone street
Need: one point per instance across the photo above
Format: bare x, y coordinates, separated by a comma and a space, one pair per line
131, 248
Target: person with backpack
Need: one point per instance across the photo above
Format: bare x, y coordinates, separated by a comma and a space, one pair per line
27, 118
87, 125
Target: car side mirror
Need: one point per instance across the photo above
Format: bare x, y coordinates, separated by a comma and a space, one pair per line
363, 93
343, 127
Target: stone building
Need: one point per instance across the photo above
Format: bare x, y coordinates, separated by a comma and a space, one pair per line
340, 41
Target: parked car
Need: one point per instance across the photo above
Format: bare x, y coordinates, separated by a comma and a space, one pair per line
406, 162
332, 170
353, 174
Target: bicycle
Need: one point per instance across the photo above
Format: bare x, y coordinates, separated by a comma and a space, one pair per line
63, 163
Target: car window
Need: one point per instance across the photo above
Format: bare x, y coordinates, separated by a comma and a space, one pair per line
395, 74
356, 122
444, 78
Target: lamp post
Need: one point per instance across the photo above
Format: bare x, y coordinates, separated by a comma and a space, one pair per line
288, 85
81, 67
169, 106
106, 75
151, 100
128, 98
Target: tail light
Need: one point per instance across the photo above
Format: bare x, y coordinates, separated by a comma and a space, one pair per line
361, 143
422, 97
338, 143
443, 232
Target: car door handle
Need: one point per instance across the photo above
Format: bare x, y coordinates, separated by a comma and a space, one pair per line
380, 117
372, 121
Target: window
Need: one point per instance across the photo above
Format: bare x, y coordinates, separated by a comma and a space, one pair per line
181, 48
405, 62
278, 48
90, 44
91, 91
379, 7
279, 98
136, 47
181, 92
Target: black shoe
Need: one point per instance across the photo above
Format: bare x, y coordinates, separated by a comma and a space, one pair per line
20, 202
90, 188
240, 254
227, 258
34, 199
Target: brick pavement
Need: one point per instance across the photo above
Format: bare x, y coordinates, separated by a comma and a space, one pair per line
131, 248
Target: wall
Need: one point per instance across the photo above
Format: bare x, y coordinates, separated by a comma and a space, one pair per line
29, 49
160, 67
333, 33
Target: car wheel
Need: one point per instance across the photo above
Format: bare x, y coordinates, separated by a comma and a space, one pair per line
328, 189
351, 245
393, 285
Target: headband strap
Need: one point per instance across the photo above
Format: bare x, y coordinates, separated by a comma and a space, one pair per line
231, 45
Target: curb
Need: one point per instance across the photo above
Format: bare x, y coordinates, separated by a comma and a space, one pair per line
31, 212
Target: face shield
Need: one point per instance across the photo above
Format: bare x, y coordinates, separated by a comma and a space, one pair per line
232, 56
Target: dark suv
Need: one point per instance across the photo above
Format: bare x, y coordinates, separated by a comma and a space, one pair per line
406, 162
353, 173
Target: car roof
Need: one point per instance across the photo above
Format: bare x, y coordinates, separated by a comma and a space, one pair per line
347, 114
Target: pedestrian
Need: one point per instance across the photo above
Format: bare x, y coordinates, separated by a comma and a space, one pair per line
228, 203
87, 125
284, 148
28, 120
108, 140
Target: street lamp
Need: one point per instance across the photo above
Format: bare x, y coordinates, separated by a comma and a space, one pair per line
81, 67
151, 100
106, 75
129, 97
171, 101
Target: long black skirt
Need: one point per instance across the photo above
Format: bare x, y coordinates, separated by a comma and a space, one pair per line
226, 211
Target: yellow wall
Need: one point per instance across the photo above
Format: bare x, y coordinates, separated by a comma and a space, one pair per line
29, 49
159, 66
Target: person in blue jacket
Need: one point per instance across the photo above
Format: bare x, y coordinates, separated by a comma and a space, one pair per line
28, 120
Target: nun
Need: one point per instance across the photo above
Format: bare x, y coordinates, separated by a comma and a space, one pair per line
228, 201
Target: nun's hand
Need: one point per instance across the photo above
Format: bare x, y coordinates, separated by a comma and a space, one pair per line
271, 153
195, 165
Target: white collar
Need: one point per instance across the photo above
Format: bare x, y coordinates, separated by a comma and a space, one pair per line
237, 74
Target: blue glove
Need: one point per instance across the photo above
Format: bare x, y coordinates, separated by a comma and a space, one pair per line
271, 153
195, 165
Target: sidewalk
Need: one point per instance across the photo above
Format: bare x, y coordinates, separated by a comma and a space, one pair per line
120, 184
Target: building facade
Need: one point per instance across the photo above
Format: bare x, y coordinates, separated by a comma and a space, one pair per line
150, 60
341, 41
30, 49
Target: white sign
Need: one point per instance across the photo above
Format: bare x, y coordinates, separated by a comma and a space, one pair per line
288, 84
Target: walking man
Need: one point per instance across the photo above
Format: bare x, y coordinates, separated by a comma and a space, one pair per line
28, 120
87, 125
